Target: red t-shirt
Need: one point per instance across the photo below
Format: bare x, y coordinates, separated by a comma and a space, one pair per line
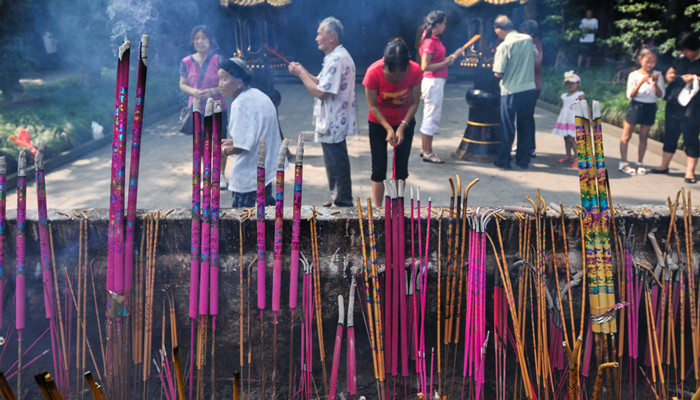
434, 46
393, 99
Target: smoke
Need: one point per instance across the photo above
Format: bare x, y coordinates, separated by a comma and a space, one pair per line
130, 16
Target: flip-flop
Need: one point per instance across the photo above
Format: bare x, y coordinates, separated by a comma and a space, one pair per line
690, 180
625, 168
565, 160
641, 170
659, 171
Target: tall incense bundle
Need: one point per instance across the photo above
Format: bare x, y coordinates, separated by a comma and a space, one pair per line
205, 255
3, 206
294, 259
366, 273
260, 202
336, 348
217, 129
388, 281
196, 229
401, 264
134, 166
351, 380
589, 202
277, 249
115, 260
45, 249
20, 240
376, 297
395, 277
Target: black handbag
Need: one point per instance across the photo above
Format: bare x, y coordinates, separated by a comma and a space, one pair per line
185, 123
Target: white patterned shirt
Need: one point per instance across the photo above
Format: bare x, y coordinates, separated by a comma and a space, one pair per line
335, 115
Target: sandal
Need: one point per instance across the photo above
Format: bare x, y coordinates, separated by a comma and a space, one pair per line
433, 158
565, 160
625, 168
641, 170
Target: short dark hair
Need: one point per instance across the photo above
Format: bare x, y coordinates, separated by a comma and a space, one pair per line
396, 55
503, 23
688, 41
205, 30
530, 27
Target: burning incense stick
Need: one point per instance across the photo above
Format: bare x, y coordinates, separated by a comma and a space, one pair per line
273, 51
195, 238
294, 259
471, 42
377, 300
134, 164
260, 200
277, 263
20, 254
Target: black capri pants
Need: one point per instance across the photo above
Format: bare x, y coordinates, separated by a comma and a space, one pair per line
378, 147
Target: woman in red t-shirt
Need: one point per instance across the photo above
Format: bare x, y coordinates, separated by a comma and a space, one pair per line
434, 66
392, 87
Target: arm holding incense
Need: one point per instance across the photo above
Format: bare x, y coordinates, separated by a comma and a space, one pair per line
415, 101
310, 81
427, 65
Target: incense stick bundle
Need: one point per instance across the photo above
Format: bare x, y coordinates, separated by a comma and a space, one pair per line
277, 248
115, 271
196, 229
3, 206
134, 165
205, 255
376, 296
217, 129
20, 296
260, 201
294, 258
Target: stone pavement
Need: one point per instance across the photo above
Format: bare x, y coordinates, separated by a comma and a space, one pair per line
165, 177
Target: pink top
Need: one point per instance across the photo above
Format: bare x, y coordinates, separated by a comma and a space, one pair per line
190, 69
434, 46
393, 99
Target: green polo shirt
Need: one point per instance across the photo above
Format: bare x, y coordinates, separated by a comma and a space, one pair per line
515, 59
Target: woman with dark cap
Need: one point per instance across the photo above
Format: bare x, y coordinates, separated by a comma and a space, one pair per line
392, 87
198, 75
679, 118
252, 116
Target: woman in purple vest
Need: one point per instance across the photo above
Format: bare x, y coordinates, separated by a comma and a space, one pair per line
199, 79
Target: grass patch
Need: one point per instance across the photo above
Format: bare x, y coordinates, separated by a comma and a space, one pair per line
60, 113
599, 84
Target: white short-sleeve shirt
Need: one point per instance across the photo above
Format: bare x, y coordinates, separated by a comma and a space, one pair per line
335, 115
253, 116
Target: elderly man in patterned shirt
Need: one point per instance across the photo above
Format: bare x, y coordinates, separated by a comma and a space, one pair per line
334, 110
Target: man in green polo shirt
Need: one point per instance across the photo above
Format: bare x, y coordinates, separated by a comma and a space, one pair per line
514, 64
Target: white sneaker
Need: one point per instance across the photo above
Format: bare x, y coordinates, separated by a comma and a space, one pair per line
223, 183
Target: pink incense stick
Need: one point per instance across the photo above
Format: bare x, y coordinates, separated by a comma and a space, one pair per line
388, 280
204, 258
120, 179
196, 211
134, 166
3, 206
351, 382
336, 349
296, 225
217, 129
395, 279
401, 264
279, 222
44, 232
118, 134
273, 51
20, 240
260, 198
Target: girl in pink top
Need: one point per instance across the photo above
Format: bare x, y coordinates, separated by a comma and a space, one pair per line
434, 66
392, 88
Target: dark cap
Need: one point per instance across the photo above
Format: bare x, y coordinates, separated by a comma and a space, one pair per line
237, 68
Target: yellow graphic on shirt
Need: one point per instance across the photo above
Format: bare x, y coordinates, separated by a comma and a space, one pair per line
395, 98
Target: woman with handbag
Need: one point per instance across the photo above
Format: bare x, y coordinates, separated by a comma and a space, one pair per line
683, 116
199, 80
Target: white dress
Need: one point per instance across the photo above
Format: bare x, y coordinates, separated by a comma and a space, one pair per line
566, 122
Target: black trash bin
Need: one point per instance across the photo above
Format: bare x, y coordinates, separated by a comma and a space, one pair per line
481, 139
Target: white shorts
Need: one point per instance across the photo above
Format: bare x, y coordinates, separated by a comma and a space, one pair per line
431, 91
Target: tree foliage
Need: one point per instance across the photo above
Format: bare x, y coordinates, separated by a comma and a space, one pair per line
640, 23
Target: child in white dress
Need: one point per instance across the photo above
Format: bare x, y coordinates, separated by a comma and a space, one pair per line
566, 122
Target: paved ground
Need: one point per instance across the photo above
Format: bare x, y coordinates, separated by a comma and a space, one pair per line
165, 179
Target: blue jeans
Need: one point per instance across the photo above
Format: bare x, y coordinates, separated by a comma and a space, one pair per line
335, 156
520, 108
249, 199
